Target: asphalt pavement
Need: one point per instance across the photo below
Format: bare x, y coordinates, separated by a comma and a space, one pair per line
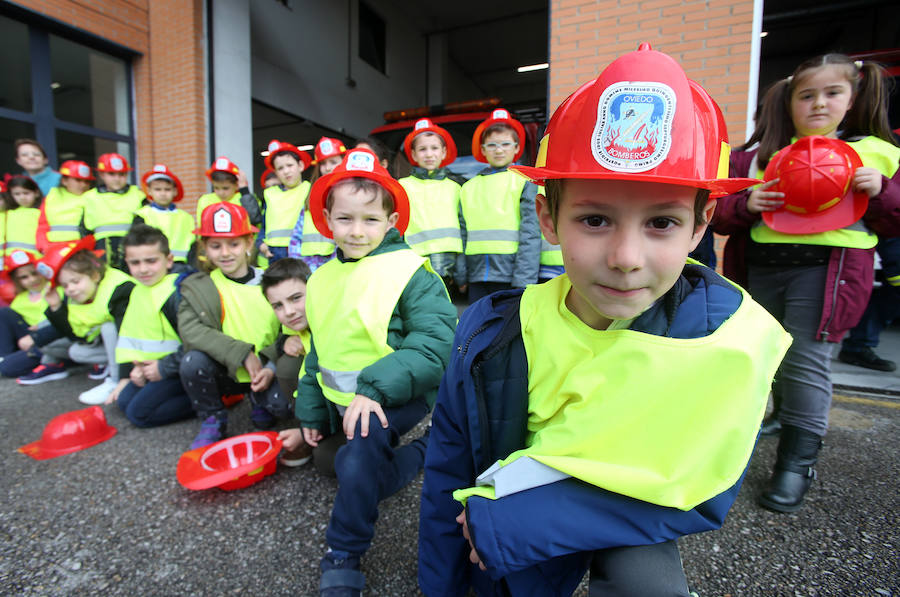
113, 520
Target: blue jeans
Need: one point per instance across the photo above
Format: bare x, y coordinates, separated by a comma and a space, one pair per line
370, 469
12, 327
277, 253
157, 403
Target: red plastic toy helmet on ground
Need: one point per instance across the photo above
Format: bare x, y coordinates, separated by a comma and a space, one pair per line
327, 148
162, 172
498, 116
58, 253
232, 463
358, 163
112, 162
222, 164
76, 169
224, 220
642, 119
70, 432
815, 175
424, 125
275, 147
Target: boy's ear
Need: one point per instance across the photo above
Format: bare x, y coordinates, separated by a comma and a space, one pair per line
548, 226
170, 261
708, 210
392, 219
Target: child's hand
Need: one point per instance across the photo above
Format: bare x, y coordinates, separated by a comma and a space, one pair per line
463, 288
52, 297
359, 410
151, 370
262, 380
293, 346
242, 179
312, 436
114, 395
137, 375
26, 342
867, 180
473, 555
252, 364
761, 199
265, 250
291, 438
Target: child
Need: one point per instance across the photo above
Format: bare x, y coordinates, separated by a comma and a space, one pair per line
224, 321
24, 316
378, 351
433, 197
19, 217
229, 184
96, 297
109, 208
62, 211
164, 190
32, 158
817, 284
284, 285
283, 202
379, 149
306, 242
614, 408
500, 232
151, 394
267, 179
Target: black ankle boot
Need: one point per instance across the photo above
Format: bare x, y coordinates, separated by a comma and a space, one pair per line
798, 450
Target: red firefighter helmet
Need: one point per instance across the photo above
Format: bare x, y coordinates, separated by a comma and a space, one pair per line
222, 164
275, 147
424, 125
328, 147
112, 162
162, 172
232, 463
267, 173
58, 253
358, 163
815, 175
498, 116
17, 259
70, 432
76, 169
642, 119
224, 220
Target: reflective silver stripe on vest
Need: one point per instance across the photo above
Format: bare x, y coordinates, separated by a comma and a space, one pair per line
546, 246
179, 254
11, 244
280, 233
63, 228
314, 237
342, 381
148, 346
427, 235
112, 228
493, 235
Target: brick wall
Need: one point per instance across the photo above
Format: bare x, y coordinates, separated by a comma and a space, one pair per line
169, 76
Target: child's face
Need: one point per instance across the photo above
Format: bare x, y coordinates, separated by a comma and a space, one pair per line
147, 263
28, 278
287, 168
288, 300
329, 164
624, 244
358, 221
24, 197
31, 158
271, 181
114, 180
162, 192
229, 254
79, 288
225, 190
820, 99
428, 151
499, 148
76, 186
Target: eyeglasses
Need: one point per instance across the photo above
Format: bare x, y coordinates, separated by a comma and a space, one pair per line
505, 145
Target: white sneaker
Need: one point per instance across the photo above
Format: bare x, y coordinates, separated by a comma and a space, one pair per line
99, 394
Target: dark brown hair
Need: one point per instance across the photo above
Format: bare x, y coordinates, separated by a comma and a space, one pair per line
141, 235
219, 176
365, 185
500, 128
286, 268
86, 263
20, 142
23, 182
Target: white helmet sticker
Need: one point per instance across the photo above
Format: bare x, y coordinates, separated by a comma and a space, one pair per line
500, 113
45, 270
273, 145
222, 164
116, 163
361, 160
18, 257
633, 132
326, 146
159, 168
222, 221
84, 171
422, 124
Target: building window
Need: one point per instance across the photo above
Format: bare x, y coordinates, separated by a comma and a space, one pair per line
73, 98
372, 38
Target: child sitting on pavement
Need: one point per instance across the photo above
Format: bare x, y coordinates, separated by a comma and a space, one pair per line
379, 349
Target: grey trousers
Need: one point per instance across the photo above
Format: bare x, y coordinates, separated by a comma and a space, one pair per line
640, 571
102, 351
795, 297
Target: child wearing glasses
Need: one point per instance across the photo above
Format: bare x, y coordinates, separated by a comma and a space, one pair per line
500, 232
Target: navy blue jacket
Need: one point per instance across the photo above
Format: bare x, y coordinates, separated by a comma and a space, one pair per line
538, 541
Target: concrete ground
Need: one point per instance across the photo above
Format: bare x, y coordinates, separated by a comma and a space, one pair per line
113, 520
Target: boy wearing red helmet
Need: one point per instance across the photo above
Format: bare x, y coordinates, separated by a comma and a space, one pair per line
575, 405
284, 202
381, 324
501, 236
62, 211
164, 189
229, 184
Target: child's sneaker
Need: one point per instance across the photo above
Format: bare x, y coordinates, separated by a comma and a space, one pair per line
43, 373
98, 394
211, 431
298, 456
340, 575
261, 418
97, 372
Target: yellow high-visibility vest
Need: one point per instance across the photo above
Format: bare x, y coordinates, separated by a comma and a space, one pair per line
32, 311
64, 212
208, 199
20, 228
145, 333
111, 214
283, 209
86, 319
177, 225
312, 242
490, 207
433, 216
